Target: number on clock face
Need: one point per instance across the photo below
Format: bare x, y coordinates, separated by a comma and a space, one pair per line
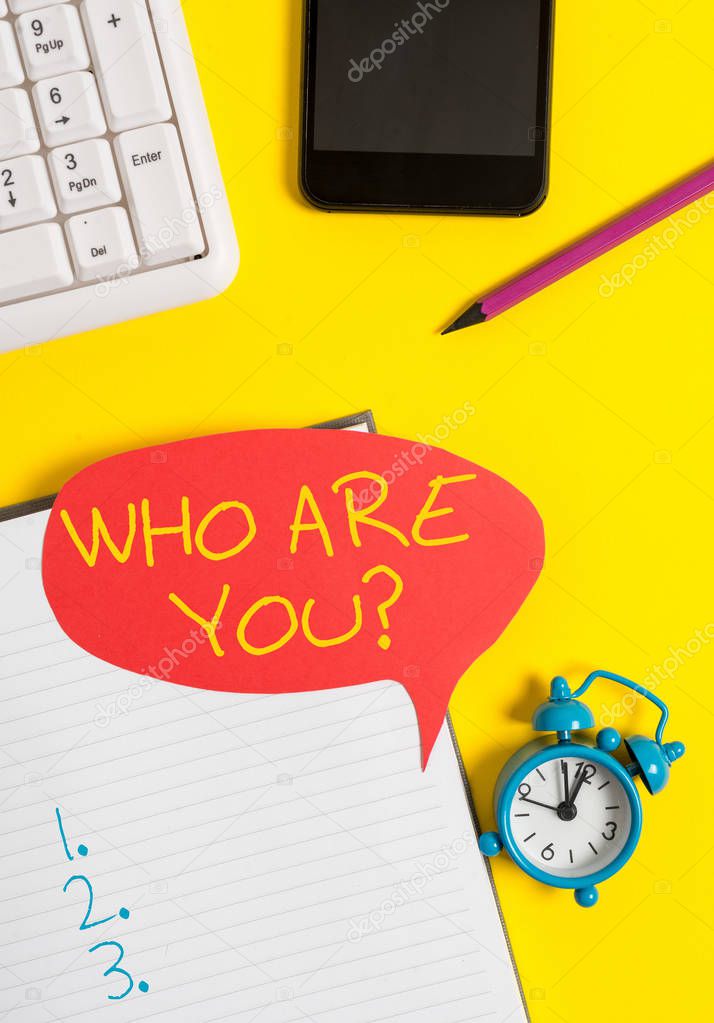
570, 817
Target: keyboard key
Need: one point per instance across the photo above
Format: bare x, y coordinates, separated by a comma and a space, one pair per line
52, 42
25, 192
84, 176
11, 72
102, 244
3, 8
33, 260
126, 62
21, 6
69, 108
18, 133
160, 196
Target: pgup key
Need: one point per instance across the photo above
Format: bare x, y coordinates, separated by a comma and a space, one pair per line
52, 42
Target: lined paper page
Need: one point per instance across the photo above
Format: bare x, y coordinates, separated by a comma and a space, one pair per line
282, 858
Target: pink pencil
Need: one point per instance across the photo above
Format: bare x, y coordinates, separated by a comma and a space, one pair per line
587, 249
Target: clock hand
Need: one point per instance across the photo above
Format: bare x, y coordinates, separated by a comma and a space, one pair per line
524, 799
577, 788
566, 782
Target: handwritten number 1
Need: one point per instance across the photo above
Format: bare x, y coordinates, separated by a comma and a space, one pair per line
67, 853
115, 968
81, 849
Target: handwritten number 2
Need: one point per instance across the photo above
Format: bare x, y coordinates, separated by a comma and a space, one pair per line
85, 925
116, 968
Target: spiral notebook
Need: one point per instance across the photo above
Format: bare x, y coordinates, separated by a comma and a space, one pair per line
179, 856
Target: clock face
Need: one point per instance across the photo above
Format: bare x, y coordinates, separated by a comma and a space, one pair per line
570, 817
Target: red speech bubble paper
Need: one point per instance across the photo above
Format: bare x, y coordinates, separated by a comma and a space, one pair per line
278, 561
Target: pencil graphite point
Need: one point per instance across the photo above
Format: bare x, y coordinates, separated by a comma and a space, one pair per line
470, 318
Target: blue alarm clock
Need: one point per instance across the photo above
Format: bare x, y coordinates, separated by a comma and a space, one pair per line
569, 813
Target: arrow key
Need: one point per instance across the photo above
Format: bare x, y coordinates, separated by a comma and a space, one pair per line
25, 192
69, 108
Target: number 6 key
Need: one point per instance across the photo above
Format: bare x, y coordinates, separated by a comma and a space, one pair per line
69, 108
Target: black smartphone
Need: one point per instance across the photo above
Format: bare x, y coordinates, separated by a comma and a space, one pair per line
435, 105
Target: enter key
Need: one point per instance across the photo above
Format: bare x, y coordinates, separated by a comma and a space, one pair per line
163, 209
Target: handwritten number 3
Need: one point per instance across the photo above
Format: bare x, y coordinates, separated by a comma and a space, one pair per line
85, 925
115, 968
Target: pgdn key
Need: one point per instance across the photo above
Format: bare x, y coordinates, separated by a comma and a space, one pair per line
160, 195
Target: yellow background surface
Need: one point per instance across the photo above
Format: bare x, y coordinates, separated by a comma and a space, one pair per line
596, 401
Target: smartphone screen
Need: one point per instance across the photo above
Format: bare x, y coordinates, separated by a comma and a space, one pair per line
442, 76
455, 81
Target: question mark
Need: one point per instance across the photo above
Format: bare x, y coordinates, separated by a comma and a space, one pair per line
384, 641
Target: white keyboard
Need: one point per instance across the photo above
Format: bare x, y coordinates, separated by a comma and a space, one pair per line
111, 199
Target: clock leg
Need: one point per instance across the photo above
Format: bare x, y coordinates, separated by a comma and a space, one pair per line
490, 844
586, 896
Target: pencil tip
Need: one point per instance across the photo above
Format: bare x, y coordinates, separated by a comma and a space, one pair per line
470, 318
